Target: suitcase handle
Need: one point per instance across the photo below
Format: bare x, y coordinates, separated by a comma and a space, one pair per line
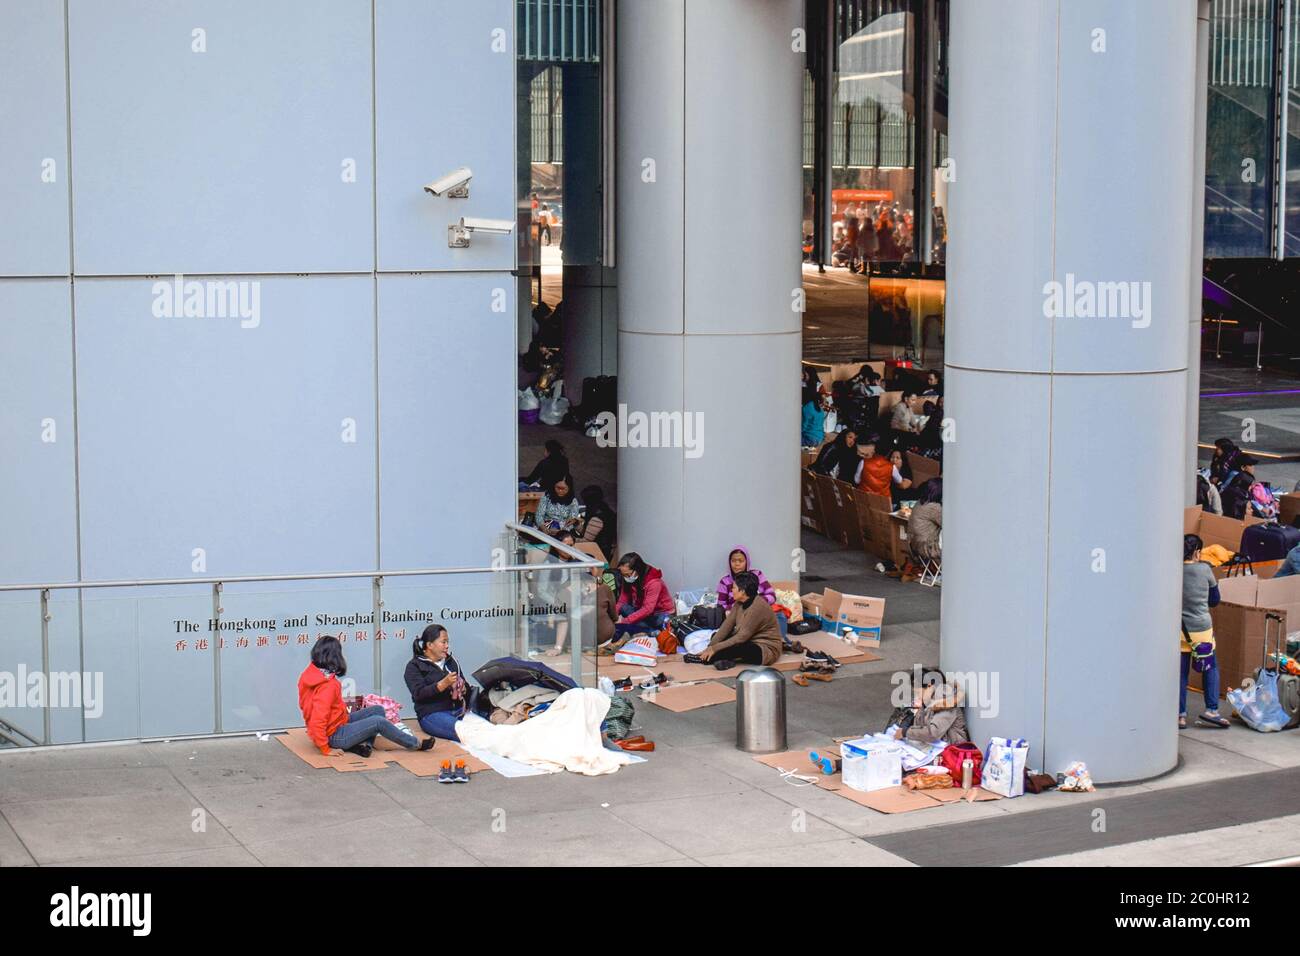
1280, 641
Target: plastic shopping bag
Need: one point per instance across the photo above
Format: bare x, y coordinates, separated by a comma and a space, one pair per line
1003, 771
1258, 705
639, 650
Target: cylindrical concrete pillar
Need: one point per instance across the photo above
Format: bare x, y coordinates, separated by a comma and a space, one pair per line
709, 202
1197, 250
1066, 355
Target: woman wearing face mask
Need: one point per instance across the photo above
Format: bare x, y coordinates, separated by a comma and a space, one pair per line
434, 679
738, 561
644, 603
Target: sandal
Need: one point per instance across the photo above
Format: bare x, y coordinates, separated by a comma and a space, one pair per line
1182, 721
1217, 721
804, 677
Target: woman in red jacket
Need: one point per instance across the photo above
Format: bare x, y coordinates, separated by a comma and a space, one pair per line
644, 603
329, 725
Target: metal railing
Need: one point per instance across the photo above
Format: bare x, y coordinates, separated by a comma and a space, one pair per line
16, 736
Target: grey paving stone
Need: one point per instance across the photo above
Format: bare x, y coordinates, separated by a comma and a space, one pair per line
12, 851
222, 856
566, 838
726, 824
831, 853
107, 827
59, 784
367, 844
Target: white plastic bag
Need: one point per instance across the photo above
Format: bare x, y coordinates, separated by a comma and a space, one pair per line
528, 400
554, 410
643, 651
1004, 766
697, 641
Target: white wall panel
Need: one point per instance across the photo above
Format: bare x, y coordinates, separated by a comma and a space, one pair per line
33, 139
198, 433
445, 89
447, 404
230, 160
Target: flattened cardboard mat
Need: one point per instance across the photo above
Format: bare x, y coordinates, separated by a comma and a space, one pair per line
678, 670
680, 698
425, 763
888, 800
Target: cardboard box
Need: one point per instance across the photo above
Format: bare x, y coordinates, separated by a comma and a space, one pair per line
1290, 507
528, 502
1216, 529
841, 613
810, 512
1239, 623
812, 604
923, 469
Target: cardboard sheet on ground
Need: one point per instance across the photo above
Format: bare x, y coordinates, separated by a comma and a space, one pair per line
797, 760
421, 763
679, 670
680, 698
889, 800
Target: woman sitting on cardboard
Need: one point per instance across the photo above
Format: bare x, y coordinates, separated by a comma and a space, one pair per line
738, 560
644, 601
749, 634
937, 715
437, 688
329, 725
840, 459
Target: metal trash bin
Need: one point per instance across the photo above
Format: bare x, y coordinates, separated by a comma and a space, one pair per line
760, 711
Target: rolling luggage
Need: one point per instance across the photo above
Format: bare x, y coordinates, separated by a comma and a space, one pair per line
1269, 542
1288, 685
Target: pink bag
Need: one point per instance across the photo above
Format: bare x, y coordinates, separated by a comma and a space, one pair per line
392, 709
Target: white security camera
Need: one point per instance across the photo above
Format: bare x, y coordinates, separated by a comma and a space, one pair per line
455, 185
458, 233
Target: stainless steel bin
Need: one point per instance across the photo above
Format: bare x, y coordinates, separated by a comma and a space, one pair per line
760, 711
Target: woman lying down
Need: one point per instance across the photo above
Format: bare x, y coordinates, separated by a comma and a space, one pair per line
566, 735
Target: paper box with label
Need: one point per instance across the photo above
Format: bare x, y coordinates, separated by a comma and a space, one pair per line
853, 614
1216, 529
871, 765
1239, 624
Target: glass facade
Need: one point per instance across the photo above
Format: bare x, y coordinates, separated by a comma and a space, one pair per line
1252, 163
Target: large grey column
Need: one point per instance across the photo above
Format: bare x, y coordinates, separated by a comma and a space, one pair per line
1196, 237
709, 202
1072, 139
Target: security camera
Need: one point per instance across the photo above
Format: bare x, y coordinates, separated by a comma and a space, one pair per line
455, 185
458, 233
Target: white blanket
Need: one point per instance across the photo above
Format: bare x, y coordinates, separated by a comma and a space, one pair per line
565, 737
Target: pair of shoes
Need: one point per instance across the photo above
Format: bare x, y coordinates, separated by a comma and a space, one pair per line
693, 659
639, 738
821, 657
361, 750
456, 774
824, 762
655, 681
815, 667
804, 677
640, 746
724, 665
797, 648
427, 743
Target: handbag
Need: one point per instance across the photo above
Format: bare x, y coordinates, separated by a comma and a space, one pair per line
955, 754
708, 615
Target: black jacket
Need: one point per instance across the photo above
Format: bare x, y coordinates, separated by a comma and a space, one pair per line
422, 676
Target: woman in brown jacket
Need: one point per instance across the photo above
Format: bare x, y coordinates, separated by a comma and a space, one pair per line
749, 634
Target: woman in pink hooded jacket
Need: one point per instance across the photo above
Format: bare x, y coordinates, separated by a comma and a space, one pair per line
738, 560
